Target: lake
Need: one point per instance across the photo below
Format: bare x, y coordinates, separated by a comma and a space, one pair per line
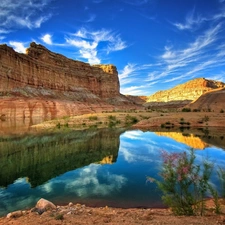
95, 167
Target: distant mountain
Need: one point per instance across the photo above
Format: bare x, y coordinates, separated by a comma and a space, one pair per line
183, 94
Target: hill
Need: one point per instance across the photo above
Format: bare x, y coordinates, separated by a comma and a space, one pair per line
183, 94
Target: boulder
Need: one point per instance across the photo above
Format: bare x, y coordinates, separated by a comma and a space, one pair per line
44, 205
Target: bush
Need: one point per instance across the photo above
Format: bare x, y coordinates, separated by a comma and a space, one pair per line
112, 117
93, 118
184, 184
130, 120
221, 111
186, 110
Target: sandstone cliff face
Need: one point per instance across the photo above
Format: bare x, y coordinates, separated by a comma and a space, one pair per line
47, 85
43, 68
190, 90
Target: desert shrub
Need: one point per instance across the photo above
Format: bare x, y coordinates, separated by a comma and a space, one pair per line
130, 120
221, 111
59, 217
196, 110
184, 183
58, 125
206, 118
186, 110
91, 118
112, 117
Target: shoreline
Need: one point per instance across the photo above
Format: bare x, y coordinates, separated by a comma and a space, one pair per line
82, 214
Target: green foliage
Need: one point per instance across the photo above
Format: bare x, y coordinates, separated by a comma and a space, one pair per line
58, 125
129, 120
112, 117
59, 217
184, 184
186, 110
221, 175
196, 110
206, 119
91, 118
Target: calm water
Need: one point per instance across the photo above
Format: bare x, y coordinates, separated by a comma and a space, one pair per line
97, 168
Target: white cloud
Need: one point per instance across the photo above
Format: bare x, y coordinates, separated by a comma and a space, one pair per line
47, 38
89, 181
18, 46
116, 45
192, 21
19, 14
87, 43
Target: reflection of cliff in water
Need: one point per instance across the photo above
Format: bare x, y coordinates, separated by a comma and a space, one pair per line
200, 138
43, 157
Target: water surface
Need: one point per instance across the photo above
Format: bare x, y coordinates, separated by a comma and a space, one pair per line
96, 167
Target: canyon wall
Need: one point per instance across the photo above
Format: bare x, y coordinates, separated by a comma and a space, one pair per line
43, 68
47, 85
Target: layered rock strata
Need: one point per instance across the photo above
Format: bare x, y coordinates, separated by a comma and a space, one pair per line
44, 84
183, 94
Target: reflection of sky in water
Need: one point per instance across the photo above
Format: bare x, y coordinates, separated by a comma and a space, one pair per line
120, 184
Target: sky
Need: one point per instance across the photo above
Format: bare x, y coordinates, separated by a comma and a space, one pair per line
155, 44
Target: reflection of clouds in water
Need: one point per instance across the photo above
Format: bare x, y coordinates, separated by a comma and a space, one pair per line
87, 182
131, 153
19, 201
134, 134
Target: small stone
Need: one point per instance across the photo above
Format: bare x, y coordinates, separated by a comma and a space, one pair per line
33, 209
70, 204
69, 213
15, 214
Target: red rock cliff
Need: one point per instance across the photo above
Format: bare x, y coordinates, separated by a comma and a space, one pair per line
43, 68
46, 85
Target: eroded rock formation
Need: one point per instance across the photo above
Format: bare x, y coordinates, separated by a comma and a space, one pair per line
44, 84
183, 94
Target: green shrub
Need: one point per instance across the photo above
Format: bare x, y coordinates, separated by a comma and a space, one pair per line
130, 120
186, 110
58, 125
184, 184
112, 117
93, 118
59, 217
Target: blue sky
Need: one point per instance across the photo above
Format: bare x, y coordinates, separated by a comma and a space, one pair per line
155, 44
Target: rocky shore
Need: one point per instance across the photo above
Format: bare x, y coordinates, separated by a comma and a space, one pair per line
46, 212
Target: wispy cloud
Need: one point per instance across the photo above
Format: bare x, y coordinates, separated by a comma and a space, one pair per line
87, 43
19, 14
47, 38
197, 56
18, 46
192, 21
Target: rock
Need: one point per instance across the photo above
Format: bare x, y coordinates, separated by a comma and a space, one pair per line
183, 94
15, 214
44, 205
47, 85
70, 204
